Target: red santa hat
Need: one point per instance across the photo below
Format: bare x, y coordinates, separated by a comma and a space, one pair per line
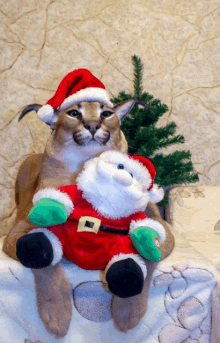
156, 194
77, 86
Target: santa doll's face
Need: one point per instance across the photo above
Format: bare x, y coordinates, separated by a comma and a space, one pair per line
116, 185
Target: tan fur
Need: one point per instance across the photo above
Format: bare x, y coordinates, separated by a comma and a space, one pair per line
54, 293
62, 160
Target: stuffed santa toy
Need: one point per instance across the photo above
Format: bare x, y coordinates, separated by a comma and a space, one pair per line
99, 223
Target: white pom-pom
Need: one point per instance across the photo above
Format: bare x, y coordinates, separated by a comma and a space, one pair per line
156, 194
46, 113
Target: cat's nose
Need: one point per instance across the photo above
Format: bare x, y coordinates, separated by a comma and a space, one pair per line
92, 127
123, 178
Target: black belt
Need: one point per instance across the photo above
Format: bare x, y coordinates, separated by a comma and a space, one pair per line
111, 230
107, 228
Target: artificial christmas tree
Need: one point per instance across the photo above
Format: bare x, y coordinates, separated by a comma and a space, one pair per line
145, 139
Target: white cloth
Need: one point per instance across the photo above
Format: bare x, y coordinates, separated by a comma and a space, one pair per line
179, 306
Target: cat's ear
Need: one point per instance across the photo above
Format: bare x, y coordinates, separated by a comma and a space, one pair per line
123, 108
36, 108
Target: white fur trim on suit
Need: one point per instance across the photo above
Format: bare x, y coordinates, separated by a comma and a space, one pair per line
156, 194
153, 224
46, 113
56, 245
87, 94
54, 194
138, 259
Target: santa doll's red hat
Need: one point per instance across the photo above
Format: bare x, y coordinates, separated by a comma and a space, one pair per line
77, 86
156, 194
148, 165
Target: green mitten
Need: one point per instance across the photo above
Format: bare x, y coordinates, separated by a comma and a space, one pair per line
146, 242
47, 212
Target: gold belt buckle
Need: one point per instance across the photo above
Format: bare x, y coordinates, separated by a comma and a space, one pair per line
82, 224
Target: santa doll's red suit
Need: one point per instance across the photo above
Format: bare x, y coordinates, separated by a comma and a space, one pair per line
103, 210
91, 250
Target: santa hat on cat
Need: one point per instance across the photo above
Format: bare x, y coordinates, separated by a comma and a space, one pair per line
77, 86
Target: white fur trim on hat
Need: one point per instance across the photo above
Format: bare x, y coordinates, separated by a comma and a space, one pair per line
156, 194
46, 113
56, 245
54, 194
138, 259
88, 94
153, 224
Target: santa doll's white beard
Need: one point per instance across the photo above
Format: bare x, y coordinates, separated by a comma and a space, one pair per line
111, 200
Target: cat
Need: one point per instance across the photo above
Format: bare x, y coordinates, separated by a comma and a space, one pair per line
80, 132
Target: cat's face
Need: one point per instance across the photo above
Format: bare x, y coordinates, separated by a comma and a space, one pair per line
90, 126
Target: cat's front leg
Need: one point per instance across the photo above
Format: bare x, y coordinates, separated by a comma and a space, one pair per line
127, 312
42, 251
54, 299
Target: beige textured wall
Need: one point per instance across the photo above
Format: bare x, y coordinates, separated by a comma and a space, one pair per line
41, 41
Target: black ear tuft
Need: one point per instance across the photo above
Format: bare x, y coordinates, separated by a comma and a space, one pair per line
123, 108
36, 107
29, 108
143, 103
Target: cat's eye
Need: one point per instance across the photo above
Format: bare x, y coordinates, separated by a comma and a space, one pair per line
120, 166
131, 174
106, 114
73, 113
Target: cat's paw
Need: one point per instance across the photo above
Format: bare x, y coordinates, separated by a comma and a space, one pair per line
55, 308
56, 317
127, 313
